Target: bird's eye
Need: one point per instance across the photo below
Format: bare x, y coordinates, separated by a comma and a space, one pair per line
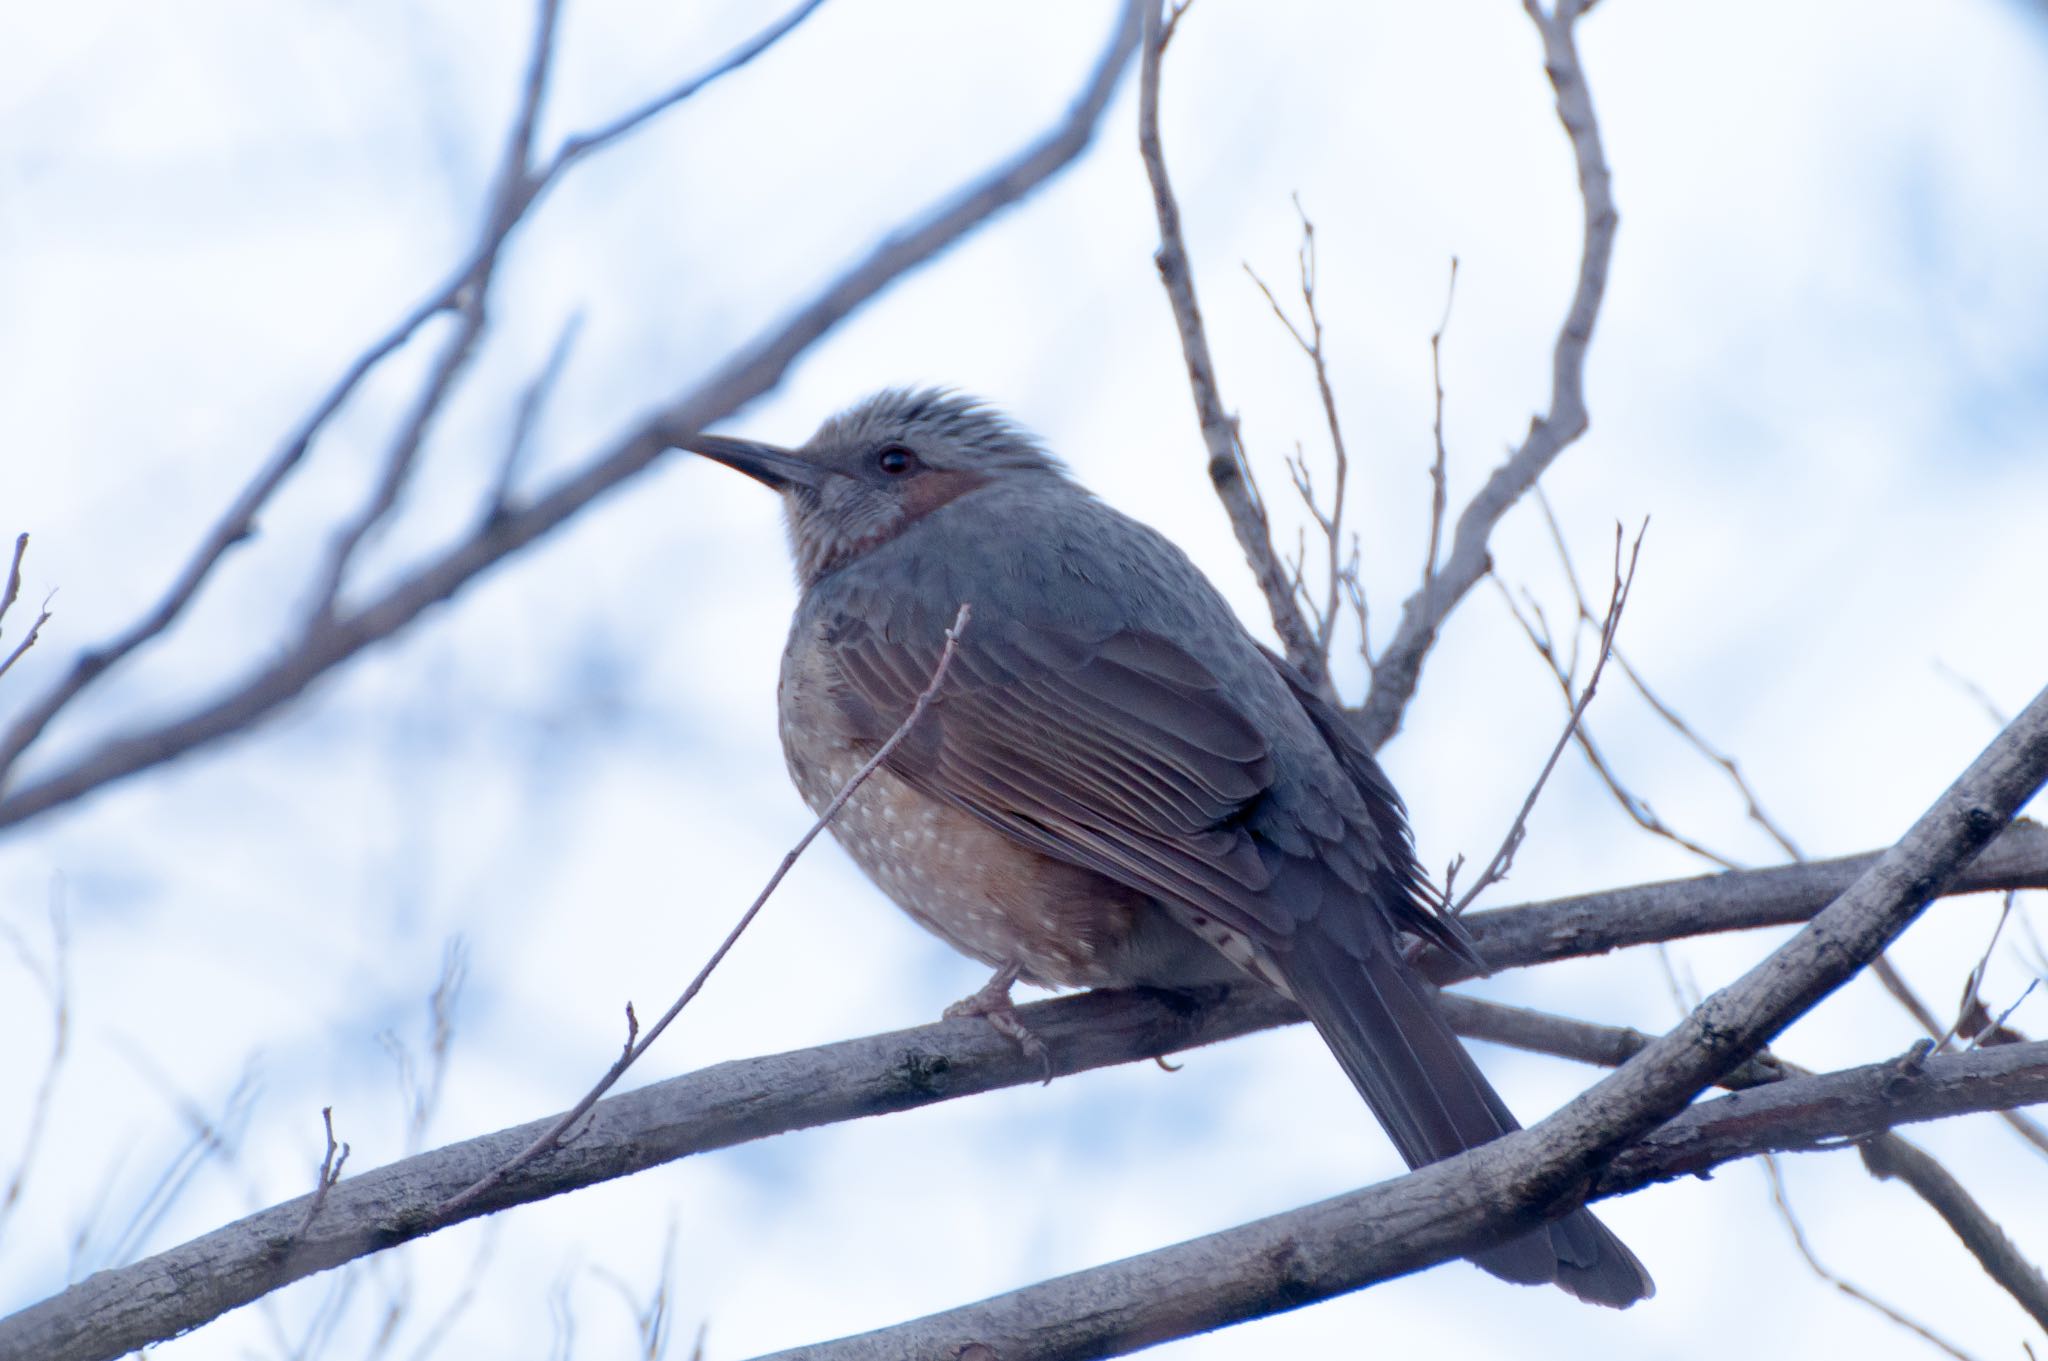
895, 460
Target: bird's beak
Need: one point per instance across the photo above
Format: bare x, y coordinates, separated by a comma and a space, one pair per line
777, 467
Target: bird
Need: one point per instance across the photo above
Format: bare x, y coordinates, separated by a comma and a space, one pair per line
1115, 784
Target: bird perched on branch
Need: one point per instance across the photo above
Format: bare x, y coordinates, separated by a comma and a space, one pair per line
1116, 785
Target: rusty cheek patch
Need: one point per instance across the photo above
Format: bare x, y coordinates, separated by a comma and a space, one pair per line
936, 487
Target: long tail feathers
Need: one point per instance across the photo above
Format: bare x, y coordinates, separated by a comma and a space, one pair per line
1387, 1031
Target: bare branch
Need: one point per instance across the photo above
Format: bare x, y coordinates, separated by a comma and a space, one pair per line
462, 291
35, 631
552, 1137
1973, 1018
585, 143
1331, 523
1753, 806
210, 1138
1318, 1251
517, 188
1497, 868
1589, 1042
530, 403
1398, 669
235, 526
731, 1103
12, 590
511, 195
1991, 707
1882, 969
55, 981
1229, 470
8, 594
1742, 900
1637, 807
1175, 11
748, 374
328, 1176
1883, 1154
1737, 1021
1892, 1156
1439, 497
1849, 1288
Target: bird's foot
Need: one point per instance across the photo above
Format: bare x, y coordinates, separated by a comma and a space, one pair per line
992, 1001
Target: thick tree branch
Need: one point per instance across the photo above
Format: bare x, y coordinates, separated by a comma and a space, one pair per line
1309, 1254
1399, 667
1885, 1155
1739, 900
732, 1103
750, 373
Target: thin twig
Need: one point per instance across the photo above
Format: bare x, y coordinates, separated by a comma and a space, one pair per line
510, 197
1973, 1018
28, 641
1497, 868
437, 1330
1399, 667
585, 143
1439, 495
7, 598
1331, 523
210, 1138
1174, 13
528, 416
1849, 1288
422, 1097
1753, 806
1883, 1154
634, 1049
1229, 469
12, 589
1638, 808
1997, 1032
55, 982
1991, 707
1634, 805
329, 1174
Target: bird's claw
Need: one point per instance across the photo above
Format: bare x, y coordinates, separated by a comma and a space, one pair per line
992, 1002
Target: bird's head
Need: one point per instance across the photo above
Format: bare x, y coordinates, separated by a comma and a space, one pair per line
877, 468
